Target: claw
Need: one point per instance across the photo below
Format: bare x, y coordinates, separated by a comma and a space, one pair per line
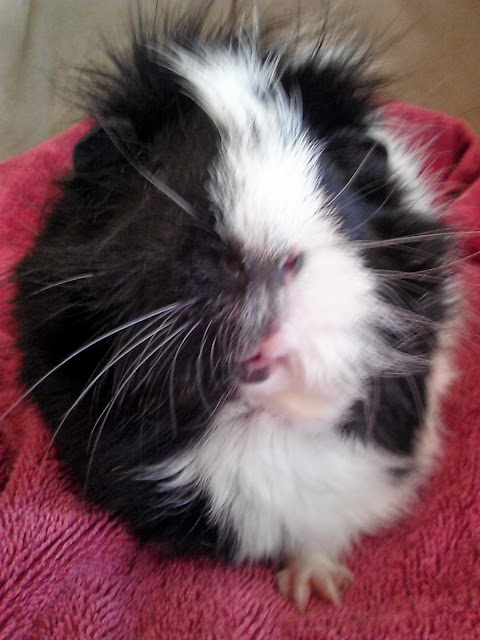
316, 575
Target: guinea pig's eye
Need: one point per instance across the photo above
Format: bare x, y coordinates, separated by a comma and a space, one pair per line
231, 265
292, 264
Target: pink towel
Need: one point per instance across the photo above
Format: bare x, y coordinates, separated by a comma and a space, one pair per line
69, 571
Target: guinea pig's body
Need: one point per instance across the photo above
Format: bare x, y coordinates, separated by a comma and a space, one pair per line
236, 317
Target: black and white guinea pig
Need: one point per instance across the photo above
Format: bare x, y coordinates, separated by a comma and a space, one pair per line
236, 319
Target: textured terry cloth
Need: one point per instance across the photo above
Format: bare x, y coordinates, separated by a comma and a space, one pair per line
69, 571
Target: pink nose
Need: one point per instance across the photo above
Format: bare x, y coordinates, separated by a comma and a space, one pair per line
275, 346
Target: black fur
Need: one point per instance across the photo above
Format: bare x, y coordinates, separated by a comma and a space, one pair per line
127, 250
378, 214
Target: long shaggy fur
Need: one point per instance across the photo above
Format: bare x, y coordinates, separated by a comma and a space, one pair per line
239, 304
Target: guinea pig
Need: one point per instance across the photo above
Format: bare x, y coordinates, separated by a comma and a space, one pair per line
237, 318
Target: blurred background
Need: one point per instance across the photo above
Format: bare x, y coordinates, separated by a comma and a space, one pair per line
433, 54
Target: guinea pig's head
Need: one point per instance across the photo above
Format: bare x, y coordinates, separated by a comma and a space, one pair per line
238, 188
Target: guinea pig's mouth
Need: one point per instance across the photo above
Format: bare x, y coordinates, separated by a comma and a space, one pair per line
257, 369
265, 360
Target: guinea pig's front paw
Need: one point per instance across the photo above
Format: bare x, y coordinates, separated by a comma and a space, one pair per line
314, 574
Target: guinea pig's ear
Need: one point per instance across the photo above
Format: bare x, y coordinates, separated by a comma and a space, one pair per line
108, 144
334, 95
369, 157
362, 159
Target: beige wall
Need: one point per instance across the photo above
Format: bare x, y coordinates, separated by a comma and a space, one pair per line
434, 53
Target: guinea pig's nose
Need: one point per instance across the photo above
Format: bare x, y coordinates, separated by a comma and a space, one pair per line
290, 266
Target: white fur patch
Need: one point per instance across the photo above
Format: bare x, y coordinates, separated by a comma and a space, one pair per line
407, 163
289, 484
288, 492
267, 184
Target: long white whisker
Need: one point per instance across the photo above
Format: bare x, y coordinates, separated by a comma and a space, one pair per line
423, 272
212, 354
198, 368
374, 213
106, 411
419, 237
166, 322
352, 178
143, 171
97, 377
90, 344
171, 380
82, 276
131, 373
